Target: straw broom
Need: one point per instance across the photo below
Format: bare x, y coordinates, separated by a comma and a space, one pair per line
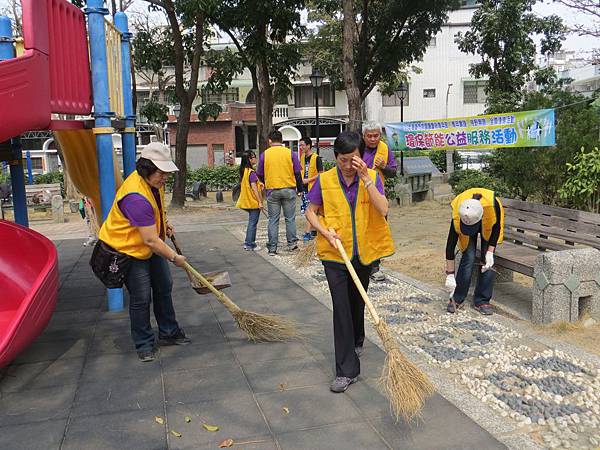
307, 253
258, 327
406, 385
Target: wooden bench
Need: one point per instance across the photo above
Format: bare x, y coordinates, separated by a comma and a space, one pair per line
531, 228
41, 194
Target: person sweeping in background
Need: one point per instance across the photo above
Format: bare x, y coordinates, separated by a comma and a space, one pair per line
475, 211
250, 198
379, 157
350, 197
312, 166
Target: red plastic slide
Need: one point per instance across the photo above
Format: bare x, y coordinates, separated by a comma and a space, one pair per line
28, 287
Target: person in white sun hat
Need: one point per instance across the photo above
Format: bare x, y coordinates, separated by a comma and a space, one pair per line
137, 226
475, 211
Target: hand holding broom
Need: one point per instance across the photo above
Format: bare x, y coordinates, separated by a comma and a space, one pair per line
258, 327
405, 384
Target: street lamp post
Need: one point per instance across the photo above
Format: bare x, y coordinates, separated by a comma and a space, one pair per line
316, 79
402, 93
449, 162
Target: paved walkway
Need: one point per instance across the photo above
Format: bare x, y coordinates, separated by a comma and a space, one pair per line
80, 385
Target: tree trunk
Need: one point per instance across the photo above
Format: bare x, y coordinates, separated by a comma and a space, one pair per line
183, 128
266, 104
350, 82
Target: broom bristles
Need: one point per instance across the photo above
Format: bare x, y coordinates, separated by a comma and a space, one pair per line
306, 254
407, 387
265, 327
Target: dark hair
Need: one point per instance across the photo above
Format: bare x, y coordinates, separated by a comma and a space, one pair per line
307, 141
246, 157
145, 167
275, 136
347, 142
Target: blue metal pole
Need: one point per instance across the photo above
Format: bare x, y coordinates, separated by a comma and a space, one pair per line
17, 174
103, 127
128, 136
29, 170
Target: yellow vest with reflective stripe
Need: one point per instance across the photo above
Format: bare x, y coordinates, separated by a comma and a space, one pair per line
487, 221
383, 153
279, 170
364, 227
118, 232
247, 199
312, 168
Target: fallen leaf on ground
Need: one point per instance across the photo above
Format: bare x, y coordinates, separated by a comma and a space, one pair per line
281, 387
175, 433
226, 443
160, 420
188, 419
210, 427
286, 410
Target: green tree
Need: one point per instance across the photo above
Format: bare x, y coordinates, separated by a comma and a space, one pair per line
187, 27
581, 188
361, 44
503, 33
577, 125
266, 35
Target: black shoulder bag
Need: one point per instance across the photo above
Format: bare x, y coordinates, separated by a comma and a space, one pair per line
110, 265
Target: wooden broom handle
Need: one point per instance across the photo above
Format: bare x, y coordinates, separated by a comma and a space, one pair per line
174, 241
357, 282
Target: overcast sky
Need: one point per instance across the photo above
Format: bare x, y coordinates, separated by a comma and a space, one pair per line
545, 7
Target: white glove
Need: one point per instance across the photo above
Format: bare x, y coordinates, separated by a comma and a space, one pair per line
489, 262
450, 283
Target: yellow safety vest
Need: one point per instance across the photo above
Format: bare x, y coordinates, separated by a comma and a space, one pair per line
279, 170
118, 232
487, 221
312, 168
362, 226
247, 199
383, 153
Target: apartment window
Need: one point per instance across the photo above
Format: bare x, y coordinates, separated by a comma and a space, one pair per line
225, 97
304, 96
394, 99
474, 91
428, 93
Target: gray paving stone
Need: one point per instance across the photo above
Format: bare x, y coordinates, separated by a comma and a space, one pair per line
344, 436
114, 327
36, 405
443, 426
285, 373
237, 418
46, 435
52, 350
250, 443
65, 332
210, 383
115, 366
109, 395
196, 355
80, 304
19, 377
248, 352
308, 407
112, 344
118, 431
86, 317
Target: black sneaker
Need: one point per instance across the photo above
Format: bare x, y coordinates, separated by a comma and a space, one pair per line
146, 356
340, 384
272, 252
178, 338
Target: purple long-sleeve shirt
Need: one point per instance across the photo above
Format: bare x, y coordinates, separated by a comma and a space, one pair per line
389, 170
315, 196
260, 169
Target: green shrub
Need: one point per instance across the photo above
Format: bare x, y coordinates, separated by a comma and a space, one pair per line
51, 178
328, 165
462, 180
224, 177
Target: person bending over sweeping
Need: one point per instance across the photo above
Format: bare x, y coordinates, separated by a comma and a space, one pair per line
136, 226
475, 211
250, 198
350, 197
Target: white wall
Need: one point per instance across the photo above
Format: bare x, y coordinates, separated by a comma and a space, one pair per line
441, 64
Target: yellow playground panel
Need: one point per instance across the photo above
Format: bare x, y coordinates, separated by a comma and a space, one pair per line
79, 151
115, 74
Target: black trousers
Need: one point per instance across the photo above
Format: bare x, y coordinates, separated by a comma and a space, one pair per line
348, 315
